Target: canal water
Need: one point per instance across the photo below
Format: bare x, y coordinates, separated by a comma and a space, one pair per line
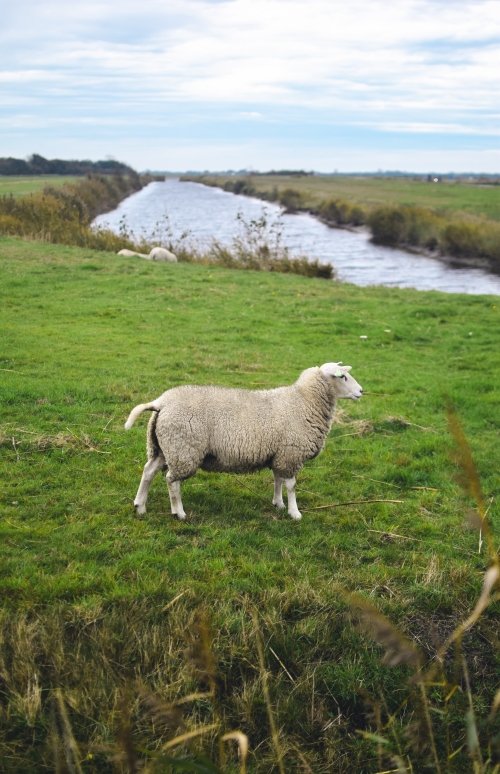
206, 213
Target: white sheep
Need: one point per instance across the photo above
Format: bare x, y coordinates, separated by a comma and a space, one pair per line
161, 254
156, 254
226, 430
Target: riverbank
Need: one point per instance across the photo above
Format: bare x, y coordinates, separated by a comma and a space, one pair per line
63, 213
109, 611
463, 227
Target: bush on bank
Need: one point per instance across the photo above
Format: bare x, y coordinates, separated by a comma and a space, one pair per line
421, 227
64, 215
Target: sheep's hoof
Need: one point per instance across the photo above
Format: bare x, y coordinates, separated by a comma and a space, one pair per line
140, 510
179, 517
279, 506
296, 516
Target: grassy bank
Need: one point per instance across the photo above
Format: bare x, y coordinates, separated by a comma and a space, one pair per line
91, 596
453, 218
24, 185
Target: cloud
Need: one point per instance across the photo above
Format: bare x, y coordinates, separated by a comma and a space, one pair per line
396, 66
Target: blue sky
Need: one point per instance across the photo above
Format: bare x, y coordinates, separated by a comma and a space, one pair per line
217, 84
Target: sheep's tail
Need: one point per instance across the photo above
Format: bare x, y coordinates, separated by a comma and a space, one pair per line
153, 406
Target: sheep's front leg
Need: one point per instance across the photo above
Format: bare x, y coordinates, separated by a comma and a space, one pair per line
278, 492
292, 501
151, 468
174, 490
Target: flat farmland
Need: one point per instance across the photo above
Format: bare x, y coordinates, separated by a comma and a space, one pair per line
447, 196
25, 185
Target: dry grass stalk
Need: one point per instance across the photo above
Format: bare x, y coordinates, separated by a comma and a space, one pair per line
242, 741
469, 480
189, 735
267, 699
199, 654
163, 715
352, 502
124, 735
70, 747
399, 649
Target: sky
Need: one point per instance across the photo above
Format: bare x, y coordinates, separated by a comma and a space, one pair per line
323, 85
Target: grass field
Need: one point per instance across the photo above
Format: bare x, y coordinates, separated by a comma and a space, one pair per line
22, 186
90, 594
370, 192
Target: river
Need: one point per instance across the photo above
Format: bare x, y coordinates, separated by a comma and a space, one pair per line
206, 213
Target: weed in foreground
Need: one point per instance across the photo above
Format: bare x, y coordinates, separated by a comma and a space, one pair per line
438, 719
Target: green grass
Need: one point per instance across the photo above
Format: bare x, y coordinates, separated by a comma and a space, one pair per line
24, 185
88, 335
447, 197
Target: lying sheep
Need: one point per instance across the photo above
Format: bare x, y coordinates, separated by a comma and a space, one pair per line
156, 254
130, 253
161, 254
225, 430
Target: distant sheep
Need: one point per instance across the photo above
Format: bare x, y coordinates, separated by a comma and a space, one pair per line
156, 254
225, 430
160, 254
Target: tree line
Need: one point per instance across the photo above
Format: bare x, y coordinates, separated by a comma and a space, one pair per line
38, 165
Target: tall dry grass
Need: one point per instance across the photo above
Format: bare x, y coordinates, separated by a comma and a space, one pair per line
63, 215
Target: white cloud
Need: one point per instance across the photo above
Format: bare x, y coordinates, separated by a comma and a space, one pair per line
396, 66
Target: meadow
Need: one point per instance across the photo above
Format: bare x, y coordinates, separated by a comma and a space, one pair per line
119, 633
24, 185
447, 196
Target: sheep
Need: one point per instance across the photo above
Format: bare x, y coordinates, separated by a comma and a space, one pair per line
225, 430
130, 253
160, 254
156, 254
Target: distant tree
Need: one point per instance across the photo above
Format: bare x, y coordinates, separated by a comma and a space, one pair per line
38, 165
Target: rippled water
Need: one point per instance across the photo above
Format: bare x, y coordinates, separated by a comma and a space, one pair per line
209, 212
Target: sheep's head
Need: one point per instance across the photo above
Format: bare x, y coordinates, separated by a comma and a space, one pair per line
345, 385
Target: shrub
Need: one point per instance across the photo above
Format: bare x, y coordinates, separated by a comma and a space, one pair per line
342, 213
239, 185
258, 247
63, 215
462, 239
358, 216
423, 227
10, 225
388, 225
290, 199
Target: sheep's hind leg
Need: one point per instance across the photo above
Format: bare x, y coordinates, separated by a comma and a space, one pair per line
151, 468
278, 492
292, 501
174, 490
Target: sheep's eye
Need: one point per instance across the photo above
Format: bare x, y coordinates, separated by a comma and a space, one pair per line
344, 377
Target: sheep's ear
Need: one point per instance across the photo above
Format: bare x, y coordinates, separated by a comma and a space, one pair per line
347, 368
331, 369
